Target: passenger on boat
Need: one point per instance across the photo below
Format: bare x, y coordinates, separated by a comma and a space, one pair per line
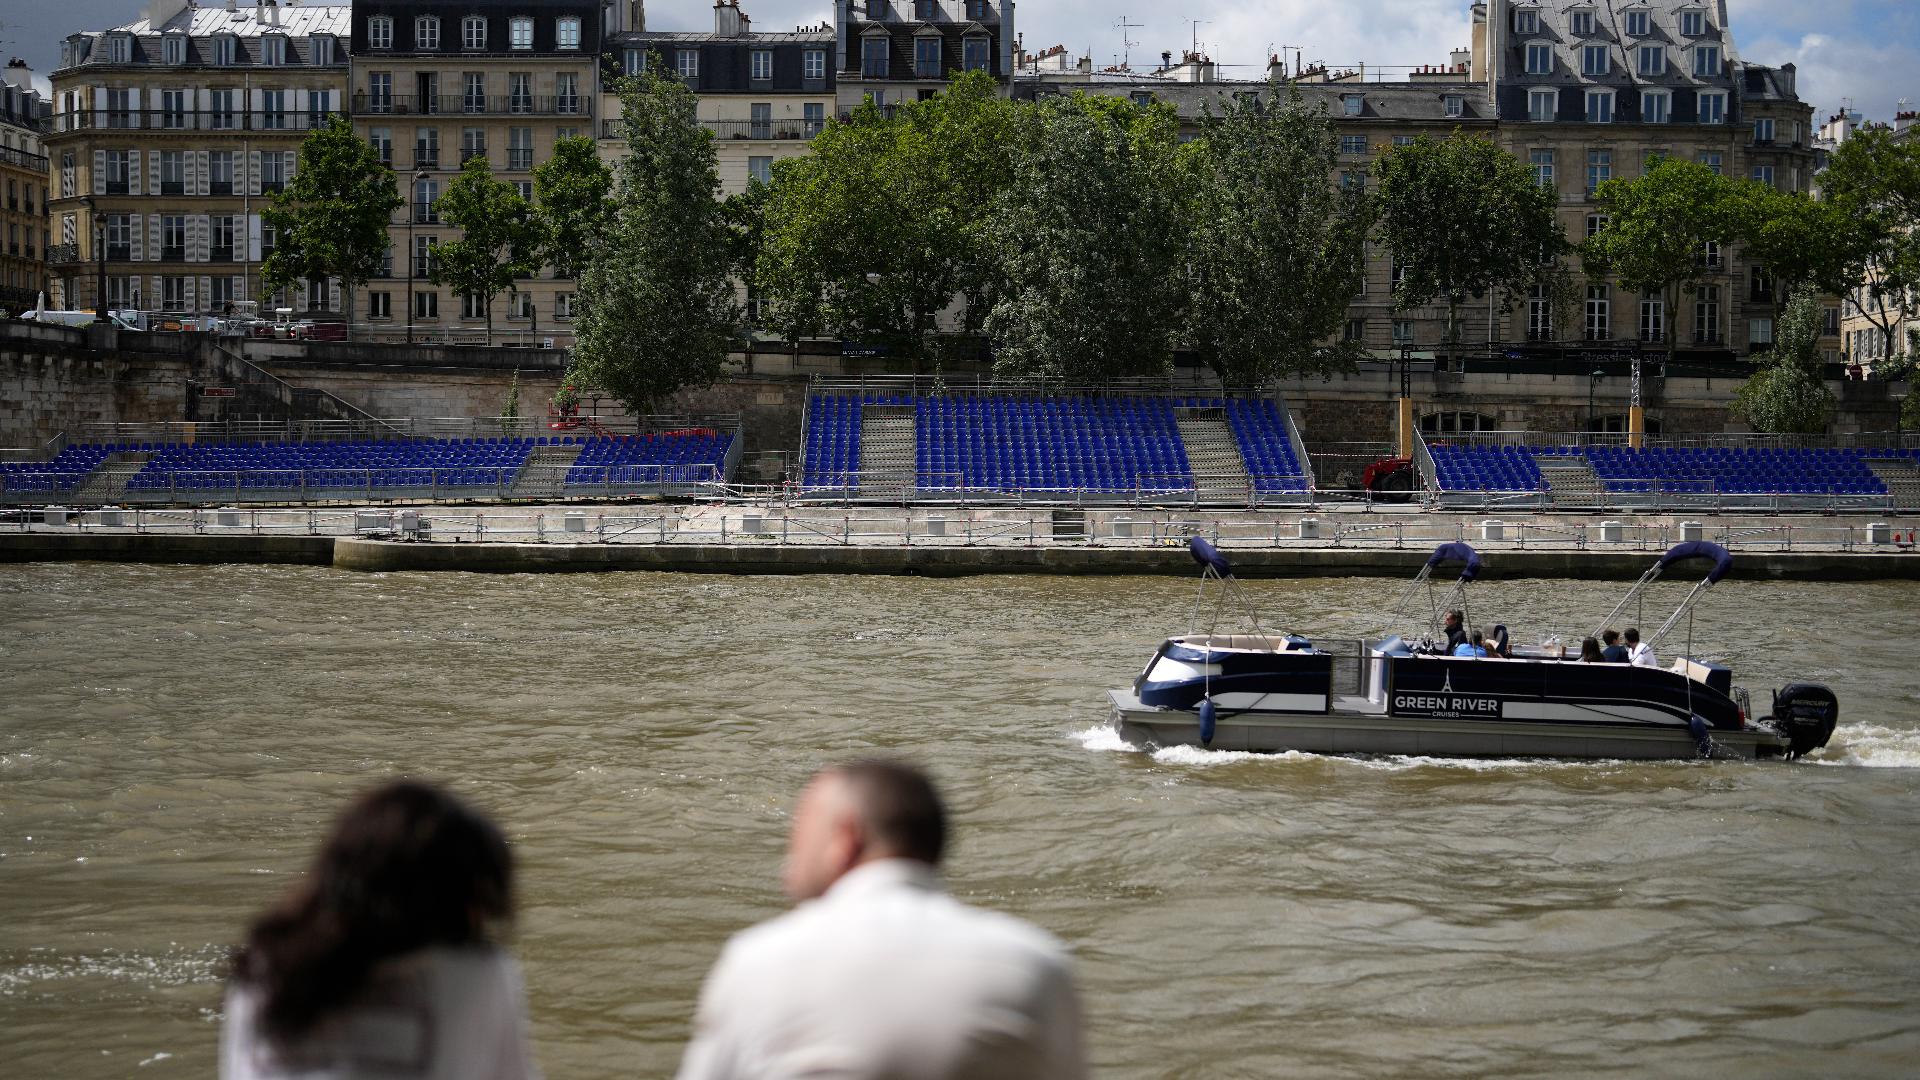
1501, 645
1642, 655
1456, 630
1590, 652
1613, 652
1476, 647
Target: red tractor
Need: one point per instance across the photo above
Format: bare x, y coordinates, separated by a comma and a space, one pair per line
1391, 480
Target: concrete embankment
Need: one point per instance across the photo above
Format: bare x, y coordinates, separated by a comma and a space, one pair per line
349, 553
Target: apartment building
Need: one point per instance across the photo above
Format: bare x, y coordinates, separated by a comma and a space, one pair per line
168, 136
903, 50
1589, 90
763, 95
23, 175
436, 83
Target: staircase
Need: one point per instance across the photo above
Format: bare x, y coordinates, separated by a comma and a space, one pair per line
1902, 477
887, 456
1219, 472
107, 483
544, 476
1571, 481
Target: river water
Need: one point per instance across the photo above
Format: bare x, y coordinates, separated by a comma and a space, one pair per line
173, 740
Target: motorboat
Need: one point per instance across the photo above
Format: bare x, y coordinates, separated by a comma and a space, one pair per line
1395, 693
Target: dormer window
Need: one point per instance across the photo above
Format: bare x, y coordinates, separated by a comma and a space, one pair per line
1594, 60
1706, 61
1639, 23
1526, 20
689, 63
1142, 98
273, 49
119, 48
173, 49
520, 32
426, 32
1713, 108
566, 32
226, 48
975, 52
636, 61
1581, 22
1456, 106
1693, 22
1656, 106
1539, 58
473, 32
380, 32
1543, 105
976, 10
1652, 60
926, 55
320, 49
1353, 104
1599, 106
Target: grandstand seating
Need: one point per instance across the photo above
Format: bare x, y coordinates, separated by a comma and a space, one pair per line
1099, 445
183, 470
1725, 471
64, 472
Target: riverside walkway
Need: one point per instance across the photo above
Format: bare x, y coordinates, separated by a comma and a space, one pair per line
935, 542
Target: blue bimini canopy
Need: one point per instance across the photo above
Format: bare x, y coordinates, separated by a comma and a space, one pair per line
1700, 549
1460, 553
1207, 555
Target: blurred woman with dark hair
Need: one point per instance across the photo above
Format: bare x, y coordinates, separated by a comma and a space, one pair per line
380, 962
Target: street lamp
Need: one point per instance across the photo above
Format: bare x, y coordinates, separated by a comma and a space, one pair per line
413, 216
1593, 383
99, 260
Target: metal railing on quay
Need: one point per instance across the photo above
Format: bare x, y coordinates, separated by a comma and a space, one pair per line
399, 429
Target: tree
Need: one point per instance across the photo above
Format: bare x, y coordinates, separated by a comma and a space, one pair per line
572, 209
499, 241
1788, 394
332, 217
1874, 181
1462, 218
877, 232
1275, 247
658, 311
1658, 228
1085, 239
1802, 243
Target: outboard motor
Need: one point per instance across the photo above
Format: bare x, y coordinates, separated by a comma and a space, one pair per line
1806, 713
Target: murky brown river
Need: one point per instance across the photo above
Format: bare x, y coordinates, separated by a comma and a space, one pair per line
172, 740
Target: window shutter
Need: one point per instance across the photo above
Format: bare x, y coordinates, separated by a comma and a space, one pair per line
257, 107
199, 229
133, 172
299, 295
190, 295
253, 172
194, 171
291, 162
253, 237
333, 294
153, 173
237, 287
99, 102
136, 237
153, 237
151, 298
99, 172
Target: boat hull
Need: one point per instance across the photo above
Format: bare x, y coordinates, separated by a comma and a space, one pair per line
1338, 731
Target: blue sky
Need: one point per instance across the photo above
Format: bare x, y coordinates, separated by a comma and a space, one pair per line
1865, 50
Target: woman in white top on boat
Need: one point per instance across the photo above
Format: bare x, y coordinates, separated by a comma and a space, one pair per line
379, 963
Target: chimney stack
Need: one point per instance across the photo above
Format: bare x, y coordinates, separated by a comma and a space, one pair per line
727, 20
19, 75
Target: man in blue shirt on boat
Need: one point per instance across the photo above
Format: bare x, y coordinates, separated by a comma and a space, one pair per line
1476, 647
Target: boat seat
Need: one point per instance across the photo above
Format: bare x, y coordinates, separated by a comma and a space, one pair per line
1713, 676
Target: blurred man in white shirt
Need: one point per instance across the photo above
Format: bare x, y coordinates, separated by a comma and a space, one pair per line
878, 973
1640, 654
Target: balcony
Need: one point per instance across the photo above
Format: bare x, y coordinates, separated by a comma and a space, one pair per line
174, 254
463, 105
119, 253
762, 130
63, 254
424, 158
228, 253
21, 159
173, 121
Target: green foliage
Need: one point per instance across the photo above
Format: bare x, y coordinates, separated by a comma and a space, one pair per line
1463, 217
1788, 394
1084, 239
499, 240
571, 206
1658, 227
1873, 180
1275, 249
657, 307
872, 235
332, 216
1801, 242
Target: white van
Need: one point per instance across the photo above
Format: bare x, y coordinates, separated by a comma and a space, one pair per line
73, 318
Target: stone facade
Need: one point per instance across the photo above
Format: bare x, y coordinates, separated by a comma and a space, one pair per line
170, 134
23, 174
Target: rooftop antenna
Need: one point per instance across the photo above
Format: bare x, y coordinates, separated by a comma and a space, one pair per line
1126, 39
1197, 24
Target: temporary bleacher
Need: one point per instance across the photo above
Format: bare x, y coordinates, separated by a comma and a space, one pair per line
1066, 447
1626, 475
483, 467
